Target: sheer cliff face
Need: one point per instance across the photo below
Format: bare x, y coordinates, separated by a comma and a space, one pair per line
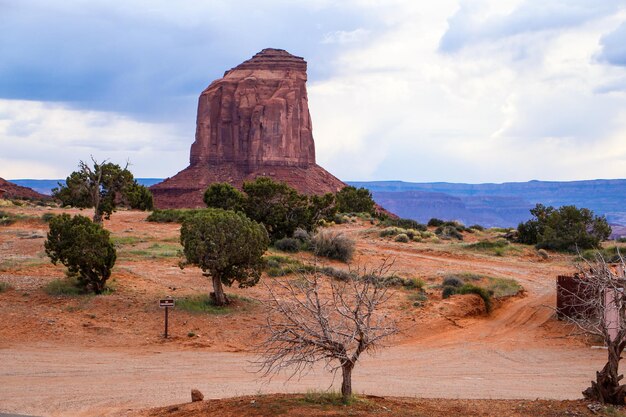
256, 115
253, 122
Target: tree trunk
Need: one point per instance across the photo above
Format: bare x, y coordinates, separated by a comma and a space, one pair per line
346, 384
218, 292
606, 388
97, 217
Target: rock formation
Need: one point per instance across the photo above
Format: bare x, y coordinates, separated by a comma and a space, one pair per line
253, 122
9, 190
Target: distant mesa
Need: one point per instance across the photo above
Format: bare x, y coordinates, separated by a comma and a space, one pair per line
8, 190
253, 122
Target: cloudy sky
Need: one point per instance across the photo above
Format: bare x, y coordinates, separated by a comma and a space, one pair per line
414, 90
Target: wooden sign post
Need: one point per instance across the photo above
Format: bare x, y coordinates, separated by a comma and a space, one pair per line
166, 303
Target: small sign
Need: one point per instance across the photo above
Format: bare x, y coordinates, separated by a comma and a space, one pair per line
166, 302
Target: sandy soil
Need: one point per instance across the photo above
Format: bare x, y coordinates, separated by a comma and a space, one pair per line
84, 356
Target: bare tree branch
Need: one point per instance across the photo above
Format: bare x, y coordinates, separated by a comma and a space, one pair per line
312, 319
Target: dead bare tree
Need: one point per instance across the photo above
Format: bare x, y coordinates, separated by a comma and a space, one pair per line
316, 319
598, 308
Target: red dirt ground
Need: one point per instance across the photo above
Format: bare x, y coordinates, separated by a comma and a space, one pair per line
105, 355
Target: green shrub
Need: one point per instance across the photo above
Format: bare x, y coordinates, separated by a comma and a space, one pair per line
138, 197
84, 247
489, 244
404, 224
337, 274
4, 286
403, 238
333, 245
288, 244
414, 284
6, 218
482, 292
622, 239
302, 235
477, 227
352, 200
448, 291
46, 217
390, 231
452, 281
435, 222
224, 196
448, 232
172, 215
419, 298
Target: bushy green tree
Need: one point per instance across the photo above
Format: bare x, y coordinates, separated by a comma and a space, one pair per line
279, 207
100, 186
567, 228
84, 247
138, 197
227, 246
355, 200
224, 196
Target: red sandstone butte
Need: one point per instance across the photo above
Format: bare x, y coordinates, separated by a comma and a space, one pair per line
253, 122
9, 190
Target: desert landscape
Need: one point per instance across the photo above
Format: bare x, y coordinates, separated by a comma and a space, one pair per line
106, 355
447, 241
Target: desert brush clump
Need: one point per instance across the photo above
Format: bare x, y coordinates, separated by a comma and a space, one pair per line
449, 232
333, 245
404, 224
402, 238
84, 247
288, 244
486, 287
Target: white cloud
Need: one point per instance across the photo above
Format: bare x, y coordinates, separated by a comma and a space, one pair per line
57, 137
343, 37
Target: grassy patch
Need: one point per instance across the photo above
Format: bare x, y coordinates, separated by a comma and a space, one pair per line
63, 287
497, 247
279, 266
418, 298
502, 287
154, 251
327, 398
202, 303
485, 286
609, 254
171, 215
17, 264
126, 240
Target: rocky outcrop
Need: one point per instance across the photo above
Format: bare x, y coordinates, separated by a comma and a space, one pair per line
253, 122
8, 190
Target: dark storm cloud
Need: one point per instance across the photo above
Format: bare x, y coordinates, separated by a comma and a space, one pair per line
131, 59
